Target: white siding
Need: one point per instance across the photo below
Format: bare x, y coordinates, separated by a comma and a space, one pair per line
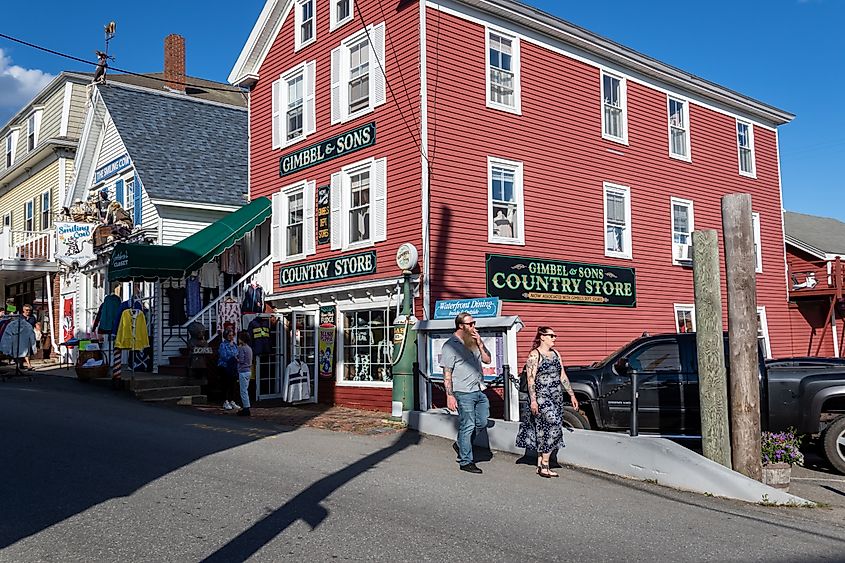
178, 223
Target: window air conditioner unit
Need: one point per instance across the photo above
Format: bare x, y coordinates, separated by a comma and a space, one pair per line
683, 252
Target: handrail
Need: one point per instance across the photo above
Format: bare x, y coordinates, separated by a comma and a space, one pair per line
235, 287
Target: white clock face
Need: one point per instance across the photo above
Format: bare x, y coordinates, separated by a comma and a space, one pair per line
406, 256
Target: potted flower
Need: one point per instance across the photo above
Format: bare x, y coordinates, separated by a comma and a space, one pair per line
780, 452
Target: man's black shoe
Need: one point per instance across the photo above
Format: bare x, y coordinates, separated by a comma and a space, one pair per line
471, 468
243, 412
456, 448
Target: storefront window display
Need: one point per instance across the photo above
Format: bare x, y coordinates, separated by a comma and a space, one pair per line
368, 345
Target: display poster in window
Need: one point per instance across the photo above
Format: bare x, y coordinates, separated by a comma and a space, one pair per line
324, 233
493, 341
539, 280
75, 243
68, 328
326, 343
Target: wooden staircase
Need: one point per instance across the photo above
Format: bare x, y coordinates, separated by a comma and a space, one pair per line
170, 385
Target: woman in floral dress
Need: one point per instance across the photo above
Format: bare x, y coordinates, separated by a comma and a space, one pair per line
541, 420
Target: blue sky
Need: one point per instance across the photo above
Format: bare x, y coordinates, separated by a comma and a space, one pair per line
787, 53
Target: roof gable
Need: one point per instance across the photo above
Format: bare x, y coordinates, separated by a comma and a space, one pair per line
818, 235
260, 39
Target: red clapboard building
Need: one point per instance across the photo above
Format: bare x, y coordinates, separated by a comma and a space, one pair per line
526, 158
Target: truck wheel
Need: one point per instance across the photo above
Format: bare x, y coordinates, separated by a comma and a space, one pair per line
834, 444
574, 419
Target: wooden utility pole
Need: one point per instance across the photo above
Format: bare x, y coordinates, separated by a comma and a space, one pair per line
740, 263
712, 376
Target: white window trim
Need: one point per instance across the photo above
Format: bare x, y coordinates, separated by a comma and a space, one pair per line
297, 36
688, 143
280, 103
764, 323
758, 259
29, 209
683, 307
515, 56
286, 192
628, 254
623, 93
41, 208
690, 206
35, 117
341, 326
9, 217
517, 167
10, 146
333, 22
375, 35
753, 172
346, 193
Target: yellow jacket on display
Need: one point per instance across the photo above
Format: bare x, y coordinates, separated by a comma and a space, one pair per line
132, 331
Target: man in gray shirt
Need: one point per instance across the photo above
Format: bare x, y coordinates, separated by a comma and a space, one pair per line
461, 359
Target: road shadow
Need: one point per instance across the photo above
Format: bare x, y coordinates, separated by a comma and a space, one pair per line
306, 506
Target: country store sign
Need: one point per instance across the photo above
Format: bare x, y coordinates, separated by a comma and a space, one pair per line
339, 145
516, 278
332, 269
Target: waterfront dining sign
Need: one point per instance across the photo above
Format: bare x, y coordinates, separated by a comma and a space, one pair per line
538, 280
339, 145
349, 266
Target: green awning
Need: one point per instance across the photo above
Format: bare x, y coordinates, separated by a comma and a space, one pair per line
150, 262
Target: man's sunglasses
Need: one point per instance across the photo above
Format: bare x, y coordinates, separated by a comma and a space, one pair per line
469, 324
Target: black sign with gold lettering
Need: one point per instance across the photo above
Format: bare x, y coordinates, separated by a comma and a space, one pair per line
516, 278
339, 145
324, 233
347, 266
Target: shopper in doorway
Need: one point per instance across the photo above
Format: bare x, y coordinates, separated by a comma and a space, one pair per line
244, 370
227, 361
27, 315
541, 422
461, 359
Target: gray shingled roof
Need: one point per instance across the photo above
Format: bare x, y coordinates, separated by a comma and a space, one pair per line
821, 233
182, 148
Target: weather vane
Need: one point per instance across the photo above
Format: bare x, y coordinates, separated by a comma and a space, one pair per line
103, 56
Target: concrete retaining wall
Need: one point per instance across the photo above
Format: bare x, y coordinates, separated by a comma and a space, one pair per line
642, 458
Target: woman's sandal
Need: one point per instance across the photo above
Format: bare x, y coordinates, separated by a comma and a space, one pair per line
545, 472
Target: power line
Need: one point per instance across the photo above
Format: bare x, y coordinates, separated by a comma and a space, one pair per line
116, 69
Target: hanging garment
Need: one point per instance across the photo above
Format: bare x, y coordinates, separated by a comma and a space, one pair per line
18, 338
231, 261
298, 382
176, 305
253, 299
108, 315
229, 313
259, 332
210, 275
132, 331
192, 286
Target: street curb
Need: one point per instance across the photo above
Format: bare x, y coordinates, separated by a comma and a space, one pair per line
643, 458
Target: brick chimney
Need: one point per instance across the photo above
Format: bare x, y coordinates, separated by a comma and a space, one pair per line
174, 62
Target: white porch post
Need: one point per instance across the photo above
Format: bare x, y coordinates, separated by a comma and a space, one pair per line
54, 329
513, 361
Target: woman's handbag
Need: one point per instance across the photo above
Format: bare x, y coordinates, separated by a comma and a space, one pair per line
523, 381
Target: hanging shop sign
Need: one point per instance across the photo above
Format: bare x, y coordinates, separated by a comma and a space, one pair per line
324, 233
75, 243
339, 145
516, 278
328, 315
111, 168
350, 266
479, 308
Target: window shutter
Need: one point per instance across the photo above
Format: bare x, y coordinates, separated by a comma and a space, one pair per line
297, 25
138, 210
337, 102
276, 228
308, 225
277, 114
378, 89
310, 116
337, 211
118, 193
379, 210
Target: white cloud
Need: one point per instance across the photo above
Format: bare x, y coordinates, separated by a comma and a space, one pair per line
18, 86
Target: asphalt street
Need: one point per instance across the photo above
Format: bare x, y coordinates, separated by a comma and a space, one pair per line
90, 475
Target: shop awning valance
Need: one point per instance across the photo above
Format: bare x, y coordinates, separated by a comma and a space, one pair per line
146, 261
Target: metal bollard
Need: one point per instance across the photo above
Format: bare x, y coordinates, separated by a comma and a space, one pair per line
506, 392
634, 395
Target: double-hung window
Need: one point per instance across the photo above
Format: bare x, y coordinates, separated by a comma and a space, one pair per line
684, 318
129, 197
11, 141
294, 115
763, 332
358, 80
503, 88
306, 23
7, 220
758, 252
32, 125
745, 145
46, 211
617, 221
682, 227
29, 215
505, 211
614, 115
359, 205
340, 13
293, 222
679, 142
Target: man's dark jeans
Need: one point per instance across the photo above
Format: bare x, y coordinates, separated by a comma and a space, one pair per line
473, 412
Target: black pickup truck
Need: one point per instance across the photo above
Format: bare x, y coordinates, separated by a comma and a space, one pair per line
807, 394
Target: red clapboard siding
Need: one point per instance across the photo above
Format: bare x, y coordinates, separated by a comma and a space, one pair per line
807, 317
566, 161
